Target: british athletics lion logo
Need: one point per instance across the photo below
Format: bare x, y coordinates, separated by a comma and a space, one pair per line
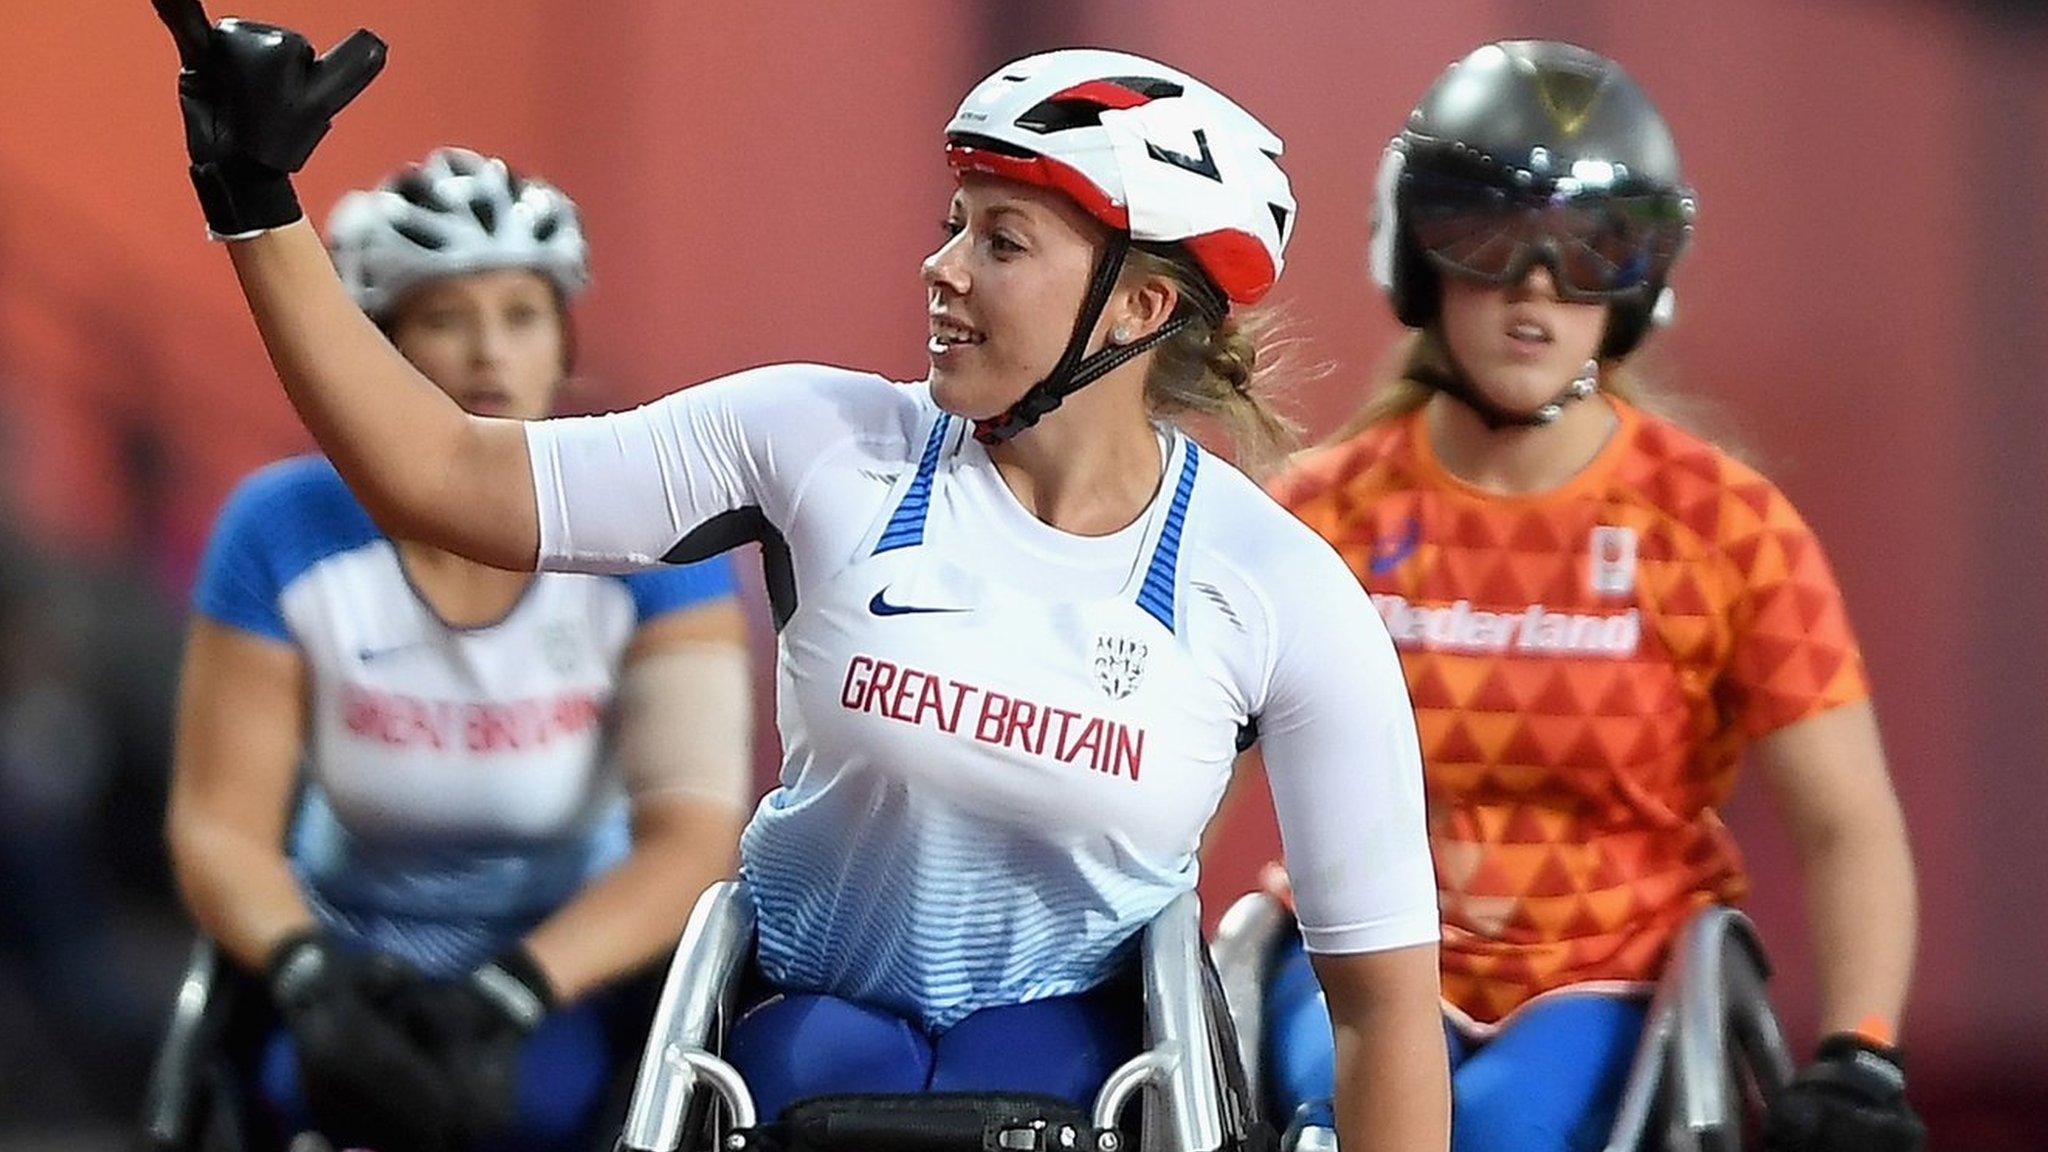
1119, 665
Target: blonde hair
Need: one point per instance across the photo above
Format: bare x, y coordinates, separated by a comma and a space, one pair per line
1212, 369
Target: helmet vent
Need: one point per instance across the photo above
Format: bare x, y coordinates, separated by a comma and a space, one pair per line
1077, 108
545, 227
417, 190
1279, 217
1061, 115
1150, 87
1202, 163
486, 213
989, 144
418, 235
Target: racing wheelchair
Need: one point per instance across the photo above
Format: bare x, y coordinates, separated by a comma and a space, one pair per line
1190, 1077
1711, 1054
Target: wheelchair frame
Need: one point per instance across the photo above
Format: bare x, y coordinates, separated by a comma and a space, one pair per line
1710, 1027
172, 1100
1195, 1094
1711, 1044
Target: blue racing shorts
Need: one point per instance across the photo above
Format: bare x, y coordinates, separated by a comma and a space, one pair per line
794, 1045
1549, 1081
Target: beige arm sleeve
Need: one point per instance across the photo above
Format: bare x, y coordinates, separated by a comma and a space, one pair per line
687, 724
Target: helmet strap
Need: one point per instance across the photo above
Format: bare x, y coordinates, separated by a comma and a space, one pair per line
1076, 367
1496, 416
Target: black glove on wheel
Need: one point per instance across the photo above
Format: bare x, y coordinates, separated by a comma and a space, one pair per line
1852, 1098
367, 1081
256, 102
475, 1027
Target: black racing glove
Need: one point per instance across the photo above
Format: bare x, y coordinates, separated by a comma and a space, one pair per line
368, 1082
255, 102
475, 1027
1852, 1098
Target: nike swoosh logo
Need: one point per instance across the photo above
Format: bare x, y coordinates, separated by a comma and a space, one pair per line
880, 606
371, 655
1387, 557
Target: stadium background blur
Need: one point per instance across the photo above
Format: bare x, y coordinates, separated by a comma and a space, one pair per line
1866, 307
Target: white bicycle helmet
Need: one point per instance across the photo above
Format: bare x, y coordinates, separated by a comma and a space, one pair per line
1144, 148
1158, 156
454, 213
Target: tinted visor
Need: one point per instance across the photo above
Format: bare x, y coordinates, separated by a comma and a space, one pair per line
1598, 246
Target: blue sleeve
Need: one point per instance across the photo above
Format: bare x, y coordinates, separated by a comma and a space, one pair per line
674, 587
275, 525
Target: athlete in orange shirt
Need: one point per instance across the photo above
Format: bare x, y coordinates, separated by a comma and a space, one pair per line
1598, 613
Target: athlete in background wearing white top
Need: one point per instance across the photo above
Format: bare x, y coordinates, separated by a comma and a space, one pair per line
1015, 664
461, 879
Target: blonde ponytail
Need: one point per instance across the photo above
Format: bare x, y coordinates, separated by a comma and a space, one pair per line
1214, 370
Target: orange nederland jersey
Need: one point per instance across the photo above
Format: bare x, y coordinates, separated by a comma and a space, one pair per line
1586, 665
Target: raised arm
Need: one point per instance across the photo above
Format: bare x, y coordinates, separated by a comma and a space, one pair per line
255, 102
424, 468
605, 493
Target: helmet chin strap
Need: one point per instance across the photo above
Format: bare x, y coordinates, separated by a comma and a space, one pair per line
1495, 416
1076, 368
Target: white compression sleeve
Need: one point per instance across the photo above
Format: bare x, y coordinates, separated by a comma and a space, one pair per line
1345, 768
617, 492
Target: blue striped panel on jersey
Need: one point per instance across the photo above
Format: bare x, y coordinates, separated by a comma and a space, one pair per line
934, 911
1155, 595
446, 907
906, 524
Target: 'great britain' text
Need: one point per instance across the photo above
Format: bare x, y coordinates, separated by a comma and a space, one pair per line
912, 696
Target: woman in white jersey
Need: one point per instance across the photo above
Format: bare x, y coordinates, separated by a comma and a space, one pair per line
513, 785
1025, 625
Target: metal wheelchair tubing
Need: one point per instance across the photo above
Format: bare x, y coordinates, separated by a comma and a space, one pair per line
166, 1116
1244, 941
1645, 1074
1187, 1109
1709, 1007
695, 1063
1184, 1115
1152, 1066
713, 947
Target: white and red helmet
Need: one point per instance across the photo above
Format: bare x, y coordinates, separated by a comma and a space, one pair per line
1142, 147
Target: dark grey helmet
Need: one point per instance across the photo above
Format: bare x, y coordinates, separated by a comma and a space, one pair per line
1536, 124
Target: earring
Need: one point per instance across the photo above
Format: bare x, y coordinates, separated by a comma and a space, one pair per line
1119, 335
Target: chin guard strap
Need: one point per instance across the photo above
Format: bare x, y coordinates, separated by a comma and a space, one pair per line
1496, 417
1076, 368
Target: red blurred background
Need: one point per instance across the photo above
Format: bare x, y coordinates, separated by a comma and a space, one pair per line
1865, 307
